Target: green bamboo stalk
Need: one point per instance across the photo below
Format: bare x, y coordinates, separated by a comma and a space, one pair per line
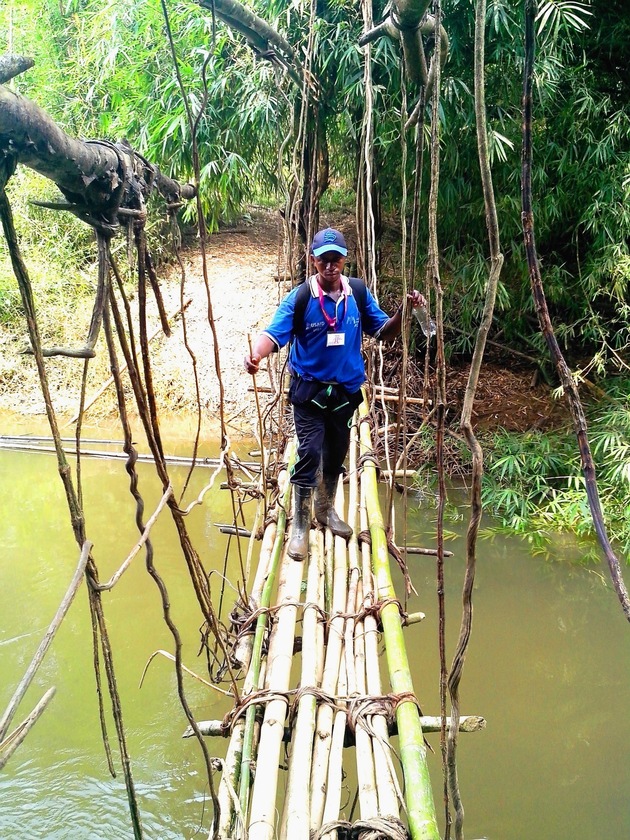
261, 626
418, 794
388, 789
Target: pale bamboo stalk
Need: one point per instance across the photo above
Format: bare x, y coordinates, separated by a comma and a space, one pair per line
262, 818
413, 754
229, 805
334, 650
329, 565
285, 594
366, 777
261, 625
230, 808
13, 741
355, 647
396, 397
335, 763
45, 643
430, 723
296, 824
353, 560
387, 791
243, 648
321, 624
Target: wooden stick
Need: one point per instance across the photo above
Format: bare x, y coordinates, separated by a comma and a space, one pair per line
13, 741
102, 587
428, 552
26, 680
176, 460
261, 437
395, 398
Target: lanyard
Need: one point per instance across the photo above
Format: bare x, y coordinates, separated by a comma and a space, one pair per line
332, 322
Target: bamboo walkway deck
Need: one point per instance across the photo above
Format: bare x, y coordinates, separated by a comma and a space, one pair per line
282, 776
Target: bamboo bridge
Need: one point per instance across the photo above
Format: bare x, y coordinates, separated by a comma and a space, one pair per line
333, 694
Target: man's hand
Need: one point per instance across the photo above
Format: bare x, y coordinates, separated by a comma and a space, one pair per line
416, 299
259, 350
252, 363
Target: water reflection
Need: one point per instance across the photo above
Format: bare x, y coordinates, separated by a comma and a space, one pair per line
548, 667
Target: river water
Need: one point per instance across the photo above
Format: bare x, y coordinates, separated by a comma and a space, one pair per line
548, 666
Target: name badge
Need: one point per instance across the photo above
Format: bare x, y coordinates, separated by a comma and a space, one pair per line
334, 339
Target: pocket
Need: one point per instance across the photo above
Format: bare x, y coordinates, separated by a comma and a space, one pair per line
302, 391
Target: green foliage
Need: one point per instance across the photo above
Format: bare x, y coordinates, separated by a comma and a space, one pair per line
57, 247
105, 69
534, 483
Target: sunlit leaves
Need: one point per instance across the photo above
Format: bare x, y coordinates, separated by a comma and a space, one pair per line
535, 483
555, 15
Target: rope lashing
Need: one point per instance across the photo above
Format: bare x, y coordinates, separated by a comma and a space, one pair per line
378, 828
360, 708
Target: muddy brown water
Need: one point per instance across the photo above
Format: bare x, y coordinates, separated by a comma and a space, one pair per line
548, 666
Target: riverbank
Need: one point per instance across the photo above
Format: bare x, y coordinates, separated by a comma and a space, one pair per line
242, 267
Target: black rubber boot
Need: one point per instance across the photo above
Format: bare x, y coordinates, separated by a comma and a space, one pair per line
298, 546
325, 512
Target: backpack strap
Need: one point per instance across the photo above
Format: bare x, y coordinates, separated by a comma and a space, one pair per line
359, 290
301, 302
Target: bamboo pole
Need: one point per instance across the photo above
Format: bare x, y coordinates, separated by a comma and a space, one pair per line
244, 645
262, 822
175, 460
261, 625
231, 820
334, 650
418, 794
296, 824
229, 805
387, 791
430, 723
335, 762
355, 645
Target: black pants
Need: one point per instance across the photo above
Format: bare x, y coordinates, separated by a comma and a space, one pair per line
323, 433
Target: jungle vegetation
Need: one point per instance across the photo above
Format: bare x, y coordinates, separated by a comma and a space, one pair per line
104, 69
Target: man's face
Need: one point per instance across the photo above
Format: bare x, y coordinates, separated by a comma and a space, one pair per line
329, 266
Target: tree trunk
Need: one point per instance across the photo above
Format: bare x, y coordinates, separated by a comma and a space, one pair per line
99, 179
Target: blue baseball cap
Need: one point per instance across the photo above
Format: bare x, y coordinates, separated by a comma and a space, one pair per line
328, 240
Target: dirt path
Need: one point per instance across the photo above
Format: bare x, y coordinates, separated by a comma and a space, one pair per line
242, 266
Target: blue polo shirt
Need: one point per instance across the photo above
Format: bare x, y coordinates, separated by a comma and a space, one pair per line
312, 356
